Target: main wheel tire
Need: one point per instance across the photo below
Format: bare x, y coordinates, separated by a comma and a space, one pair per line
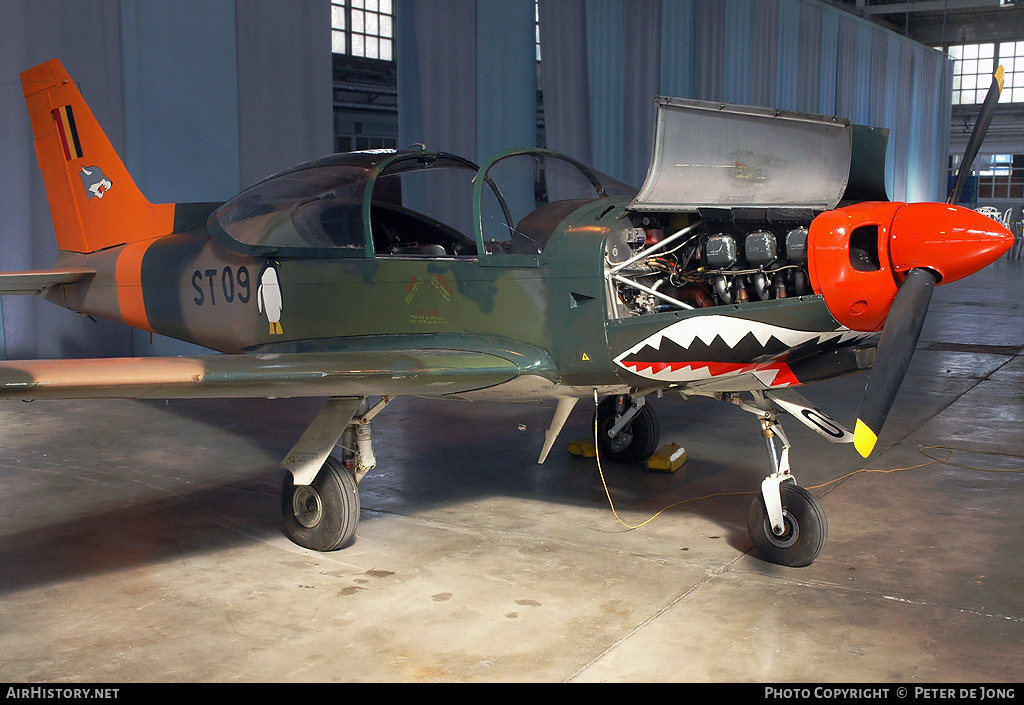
805, 528
321, 516
635, 442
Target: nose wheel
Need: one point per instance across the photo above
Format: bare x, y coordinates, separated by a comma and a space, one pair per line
802, 533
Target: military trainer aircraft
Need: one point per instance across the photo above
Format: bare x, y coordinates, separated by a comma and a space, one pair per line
758, 256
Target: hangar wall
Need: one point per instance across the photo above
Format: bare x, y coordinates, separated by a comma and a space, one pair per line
200, 97
205, 96
604, 61
466, 75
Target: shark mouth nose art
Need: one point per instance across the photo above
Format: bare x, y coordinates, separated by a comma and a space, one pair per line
706, 347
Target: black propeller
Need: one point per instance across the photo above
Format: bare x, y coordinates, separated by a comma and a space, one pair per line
900, 334
988, 109
903, 325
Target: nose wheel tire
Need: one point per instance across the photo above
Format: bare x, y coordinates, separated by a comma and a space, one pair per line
635, 442
323, 515
804, 532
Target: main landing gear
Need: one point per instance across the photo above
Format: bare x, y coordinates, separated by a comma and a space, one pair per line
627, 429
321, 516
320, 494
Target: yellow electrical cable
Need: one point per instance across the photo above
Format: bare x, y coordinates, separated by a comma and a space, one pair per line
933, 461
611, 503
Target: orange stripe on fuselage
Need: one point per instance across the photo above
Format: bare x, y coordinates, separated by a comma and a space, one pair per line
128, 274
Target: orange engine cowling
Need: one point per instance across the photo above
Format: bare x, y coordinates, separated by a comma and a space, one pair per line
858, 256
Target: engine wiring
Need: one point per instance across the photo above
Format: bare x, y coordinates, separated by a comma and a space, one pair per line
707, 263
923, 450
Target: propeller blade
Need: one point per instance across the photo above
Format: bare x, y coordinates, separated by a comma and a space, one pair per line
900, 334
988, 109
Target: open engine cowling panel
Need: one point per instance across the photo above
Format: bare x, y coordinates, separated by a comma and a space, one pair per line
724, 213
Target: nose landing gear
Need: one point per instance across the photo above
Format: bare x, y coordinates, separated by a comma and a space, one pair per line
786, 523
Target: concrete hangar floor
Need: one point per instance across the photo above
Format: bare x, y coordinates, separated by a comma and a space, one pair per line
140, 541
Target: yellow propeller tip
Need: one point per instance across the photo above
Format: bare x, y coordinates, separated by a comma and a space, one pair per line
999, 77
864, 439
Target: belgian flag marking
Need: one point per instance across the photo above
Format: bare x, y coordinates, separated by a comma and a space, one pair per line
65, 118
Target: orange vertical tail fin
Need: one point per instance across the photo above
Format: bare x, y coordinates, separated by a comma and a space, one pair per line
94, 202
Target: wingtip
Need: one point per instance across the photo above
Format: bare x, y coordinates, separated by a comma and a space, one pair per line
864, 439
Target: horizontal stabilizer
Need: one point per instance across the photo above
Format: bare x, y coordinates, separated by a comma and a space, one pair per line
35, 281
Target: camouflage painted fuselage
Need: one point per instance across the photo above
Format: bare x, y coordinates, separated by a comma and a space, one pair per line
547, 314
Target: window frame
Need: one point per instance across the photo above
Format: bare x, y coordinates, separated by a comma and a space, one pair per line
1012, 63
353, 16
1001, 180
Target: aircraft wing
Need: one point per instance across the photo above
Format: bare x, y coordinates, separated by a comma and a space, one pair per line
433, 372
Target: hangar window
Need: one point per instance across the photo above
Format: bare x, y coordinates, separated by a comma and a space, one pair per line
975, 64
993, 176
972, 72
1011, 56
363, 28
1000, 175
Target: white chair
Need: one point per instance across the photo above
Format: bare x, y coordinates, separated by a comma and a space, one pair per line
1017, 249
